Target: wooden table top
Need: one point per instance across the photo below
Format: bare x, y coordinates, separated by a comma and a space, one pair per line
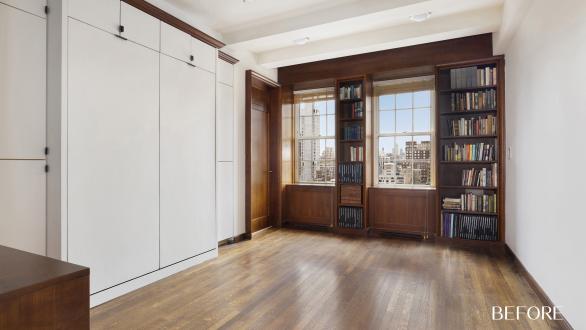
22, 272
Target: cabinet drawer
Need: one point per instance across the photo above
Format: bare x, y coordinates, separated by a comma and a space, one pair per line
176, 43
139, 26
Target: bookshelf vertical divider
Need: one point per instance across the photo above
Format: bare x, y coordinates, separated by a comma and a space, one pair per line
470, 149
353, 157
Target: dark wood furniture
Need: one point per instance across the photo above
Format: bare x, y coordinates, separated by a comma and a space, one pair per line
38, 292
449, 172
311, 205
405, 211
353, 159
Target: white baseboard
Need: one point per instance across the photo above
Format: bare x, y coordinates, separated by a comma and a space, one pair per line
121, 289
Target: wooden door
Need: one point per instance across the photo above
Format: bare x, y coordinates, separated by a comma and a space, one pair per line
259, 156
113, 156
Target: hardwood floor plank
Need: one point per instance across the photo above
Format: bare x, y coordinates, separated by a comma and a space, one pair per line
290, 279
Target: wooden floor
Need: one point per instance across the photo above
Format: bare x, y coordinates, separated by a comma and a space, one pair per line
305, 280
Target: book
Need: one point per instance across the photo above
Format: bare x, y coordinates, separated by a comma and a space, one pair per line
469, 152
473, 101
350, 217
483, 177
356, 154
474, 76
350, 92
472, 126
352, 132
350, 173
474, 227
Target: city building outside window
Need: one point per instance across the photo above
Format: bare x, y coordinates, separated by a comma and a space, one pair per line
404, 126
315, 127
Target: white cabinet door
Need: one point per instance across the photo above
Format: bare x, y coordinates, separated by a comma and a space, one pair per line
225, 199
180, 157
225, 123
113, 173
103, 14
139, 27
22, 84
22, 205
176, 43
35, 7
205, 55
225, 72
187, 161
205, 136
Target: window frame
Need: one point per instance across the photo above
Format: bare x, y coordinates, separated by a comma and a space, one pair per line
296, 138
401, 87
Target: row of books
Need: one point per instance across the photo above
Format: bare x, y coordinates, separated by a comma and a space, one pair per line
469, 152
356, 154
350, 173
475, 227
353, 132
350, 92
480, 177
350, 217
473, 77
470, 101
472, 126
471, 202
356, 110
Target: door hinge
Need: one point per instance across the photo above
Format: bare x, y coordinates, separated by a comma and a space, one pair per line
46, 168
46, 9
46, 150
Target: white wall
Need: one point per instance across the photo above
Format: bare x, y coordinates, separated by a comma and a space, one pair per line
247, 61
546, 116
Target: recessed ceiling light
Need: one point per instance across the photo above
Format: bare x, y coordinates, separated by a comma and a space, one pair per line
420, 17
247, 1
301, 41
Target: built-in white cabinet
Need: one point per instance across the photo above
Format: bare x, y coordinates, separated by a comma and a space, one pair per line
113, 156
204, 54
137, 26
22, 84
225, 123
225, 73
187, 158
176, 43
225, 199
22, 205
103, 14
35, 7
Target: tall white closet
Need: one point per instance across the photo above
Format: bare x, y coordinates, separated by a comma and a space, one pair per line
22, 124
138, 146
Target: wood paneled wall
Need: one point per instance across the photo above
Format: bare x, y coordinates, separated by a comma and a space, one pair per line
310, 205
430, 54
406, 211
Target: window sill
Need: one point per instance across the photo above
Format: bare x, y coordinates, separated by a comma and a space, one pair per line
405, 188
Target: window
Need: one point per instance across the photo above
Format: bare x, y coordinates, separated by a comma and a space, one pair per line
315, 139
404, 131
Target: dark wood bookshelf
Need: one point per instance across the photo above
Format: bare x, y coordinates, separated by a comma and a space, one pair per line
449, 172
349, 193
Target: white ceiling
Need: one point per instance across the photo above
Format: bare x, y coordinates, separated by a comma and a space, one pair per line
337, 28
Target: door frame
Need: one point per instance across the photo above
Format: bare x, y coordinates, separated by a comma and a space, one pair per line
253, 78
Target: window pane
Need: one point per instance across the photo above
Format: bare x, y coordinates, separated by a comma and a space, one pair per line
403, 159
320, 108
330, 151
386, 122
405, 101
421, 148
386, 102
400, 147
308, 126
306, 109
305, 172
422, 99
323, 125
422, 172
404, 121
331, 105
422, 120
308, 149
331, 125
386, 166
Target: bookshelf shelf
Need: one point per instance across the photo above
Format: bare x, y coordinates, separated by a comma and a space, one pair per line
468, 137
476, 86
352, 154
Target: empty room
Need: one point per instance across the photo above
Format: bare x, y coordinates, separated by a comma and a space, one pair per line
309, 164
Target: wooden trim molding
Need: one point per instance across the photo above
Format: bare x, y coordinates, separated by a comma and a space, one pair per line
264, 79
564, 324
228, 58
175, 22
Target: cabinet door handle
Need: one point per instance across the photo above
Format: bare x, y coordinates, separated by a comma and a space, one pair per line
121, 28
191, 58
